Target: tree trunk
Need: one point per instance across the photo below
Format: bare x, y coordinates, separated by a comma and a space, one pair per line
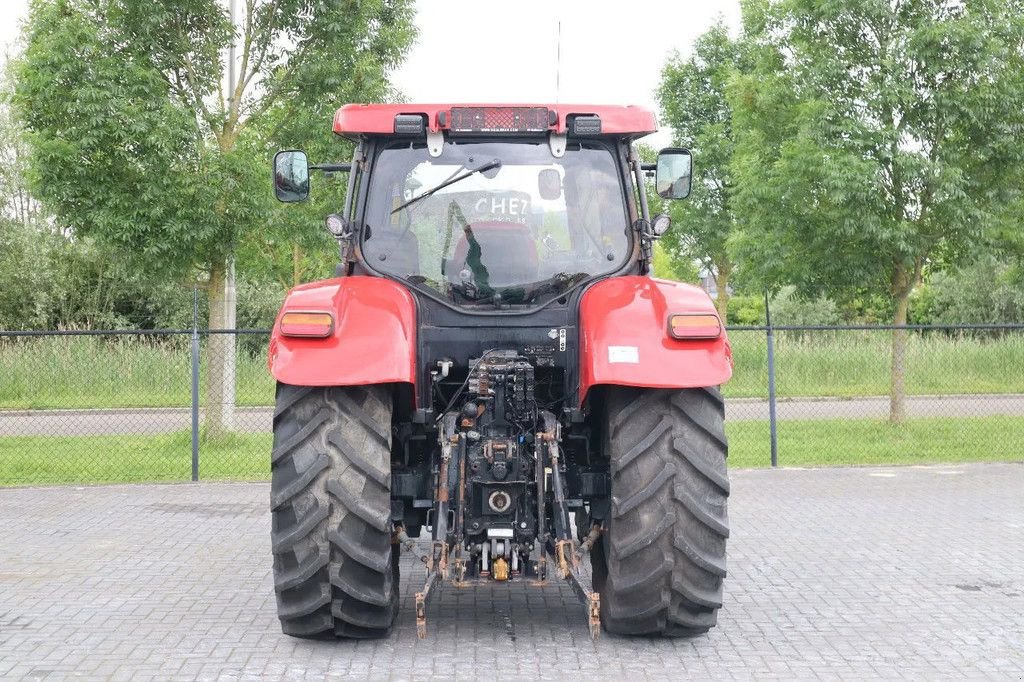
897, 385
722, 273
220, 353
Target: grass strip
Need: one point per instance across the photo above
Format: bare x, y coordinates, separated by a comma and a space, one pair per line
43, 460
860, 442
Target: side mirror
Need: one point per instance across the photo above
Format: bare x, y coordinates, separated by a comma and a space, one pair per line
549, 184
674, 173
291, 176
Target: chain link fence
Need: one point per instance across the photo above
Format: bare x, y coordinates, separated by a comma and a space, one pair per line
962, 395
176, 405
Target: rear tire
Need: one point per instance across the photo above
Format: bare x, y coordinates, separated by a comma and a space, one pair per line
335, 567
659, 567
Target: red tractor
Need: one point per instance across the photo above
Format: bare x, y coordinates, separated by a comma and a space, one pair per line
493, 366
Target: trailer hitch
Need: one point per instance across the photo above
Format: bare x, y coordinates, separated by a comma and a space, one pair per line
562, 553
437, 570
565, 553
561, 550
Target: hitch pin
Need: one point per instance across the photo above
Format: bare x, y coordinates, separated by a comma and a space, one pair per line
401, 538
588, 542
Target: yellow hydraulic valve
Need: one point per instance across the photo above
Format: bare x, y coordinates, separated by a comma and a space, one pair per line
500, 569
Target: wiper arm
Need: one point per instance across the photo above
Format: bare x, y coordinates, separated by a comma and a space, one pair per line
451, 181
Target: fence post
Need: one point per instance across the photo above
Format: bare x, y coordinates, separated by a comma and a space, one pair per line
195, 383
772, 424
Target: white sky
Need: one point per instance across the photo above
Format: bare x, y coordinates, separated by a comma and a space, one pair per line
485, 51
612, 53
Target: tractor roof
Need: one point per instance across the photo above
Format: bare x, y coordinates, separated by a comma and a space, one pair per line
353, 120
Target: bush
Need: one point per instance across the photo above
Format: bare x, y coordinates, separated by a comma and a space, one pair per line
745, 310
54, 282
790, 309
990, 291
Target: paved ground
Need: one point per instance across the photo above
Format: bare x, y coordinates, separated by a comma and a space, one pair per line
258, 419
834, 573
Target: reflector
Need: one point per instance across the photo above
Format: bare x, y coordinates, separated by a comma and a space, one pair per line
316, 325
694, 326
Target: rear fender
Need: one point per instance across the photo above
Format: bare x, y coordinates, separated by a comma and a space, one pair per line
625, 340
373, 340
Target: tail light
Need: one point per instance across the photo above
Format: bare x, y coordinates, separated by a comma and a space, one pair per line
694, 326
316, 325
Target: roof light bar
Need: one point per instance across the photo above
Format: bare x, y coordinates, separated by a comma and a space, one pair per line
512, 120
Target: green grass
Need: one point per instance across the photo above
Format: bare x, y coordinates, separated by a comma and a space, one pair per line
91, 372
103, 372
41, 460
858, 442
856, 363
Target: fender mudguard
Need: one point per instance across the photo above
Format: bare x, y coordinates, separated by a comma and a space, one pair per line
625, 341
373, 341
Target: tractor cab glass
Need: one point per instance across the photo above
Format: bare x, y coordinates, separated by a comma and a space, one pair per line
496, 222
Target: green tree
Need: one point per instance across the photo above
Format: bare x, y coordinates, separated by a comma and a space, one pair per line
23, 296
670, 266
139, 139
693, 102
885, 143
16, 201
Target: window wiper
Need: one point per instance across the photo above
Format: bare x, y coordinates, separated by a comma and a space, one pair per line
451, 181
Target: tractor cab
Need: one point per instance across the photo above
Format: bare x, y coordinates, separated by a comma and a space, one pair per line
493, 366
494, 208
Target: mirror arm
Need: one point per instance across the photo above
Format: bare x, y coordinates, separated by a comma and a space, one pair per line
642, 187
332, 167
648, 166
646, 243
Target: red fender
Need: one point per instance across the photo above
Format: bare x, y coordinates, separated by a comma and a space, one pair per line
373, 342
625, 340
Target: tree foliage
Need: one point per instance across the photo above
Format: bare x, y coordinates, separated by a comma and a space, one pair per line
692, 95
141, 139
885, 142
882, 144
134, 137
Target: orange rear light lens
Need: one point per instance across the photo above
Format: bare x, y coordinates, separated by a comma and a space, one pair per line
309, 324
694, 326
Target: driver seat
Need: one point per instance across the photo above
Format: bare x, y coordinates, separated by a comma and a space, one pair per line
507, 250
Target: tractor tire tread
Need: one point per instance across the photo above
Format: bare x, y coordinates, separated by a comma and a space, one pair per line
335, 569
661, 563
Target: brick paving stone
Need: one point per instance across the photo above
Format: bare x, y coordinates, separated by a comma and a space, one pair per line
833, 574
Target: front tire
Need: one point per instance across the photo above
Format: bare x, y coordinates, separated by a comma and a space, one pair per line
659, 567
335, 567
